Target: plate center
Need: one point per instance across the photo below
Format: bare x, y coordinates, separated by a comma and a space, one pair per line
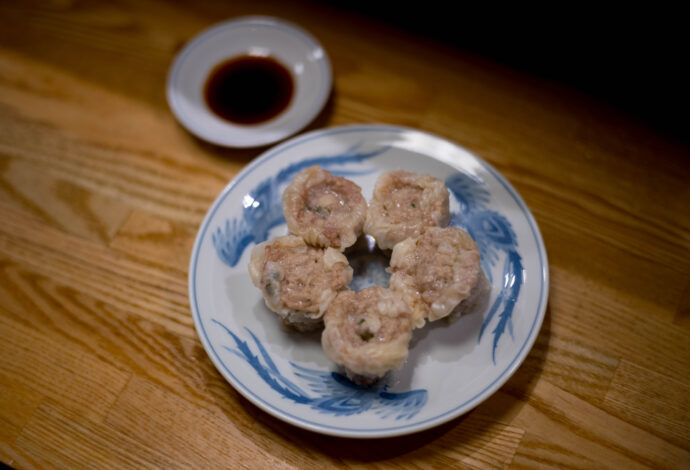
369, 264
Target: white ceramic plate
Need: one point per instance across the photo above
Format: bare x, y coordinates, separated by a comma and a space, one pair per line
451, 367
299, 51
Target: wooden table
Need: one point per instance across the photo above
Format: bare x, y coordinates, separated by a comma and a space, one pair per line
101, 194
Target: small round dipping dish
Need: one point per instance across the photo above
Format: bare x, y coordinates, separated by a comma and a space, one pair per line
254, 36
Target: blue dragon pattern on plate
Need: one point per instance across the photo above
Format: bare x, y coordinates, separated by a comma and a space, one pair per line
262, 211
335, 394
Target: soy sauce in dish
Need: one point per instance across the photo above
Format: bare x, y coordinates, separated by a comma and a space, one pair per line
249, 89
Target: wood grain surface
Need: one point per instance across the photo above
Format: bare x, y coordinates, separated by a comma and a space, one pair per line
101, 194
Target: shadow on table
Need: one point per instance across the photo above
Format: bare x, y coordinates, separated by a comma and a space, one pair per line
470, 429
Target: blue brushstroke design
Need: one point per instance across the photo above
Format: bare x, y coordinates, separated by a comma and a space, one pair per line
495, 237
268, 373
326, 392
335, 394
262, 207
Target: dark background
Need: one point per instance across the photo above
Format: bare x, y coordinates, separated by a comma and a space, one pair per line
632, 58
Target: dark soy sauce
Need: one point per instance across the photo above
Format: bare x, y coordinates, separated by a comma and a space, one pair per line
249, 89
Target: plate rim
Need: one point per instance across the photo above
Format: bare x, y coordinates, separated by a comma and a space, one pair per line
428, 423
198, 39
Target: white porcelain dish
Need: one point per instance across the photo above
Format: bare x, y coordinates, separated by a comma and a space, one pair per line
289, 44
451, 368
